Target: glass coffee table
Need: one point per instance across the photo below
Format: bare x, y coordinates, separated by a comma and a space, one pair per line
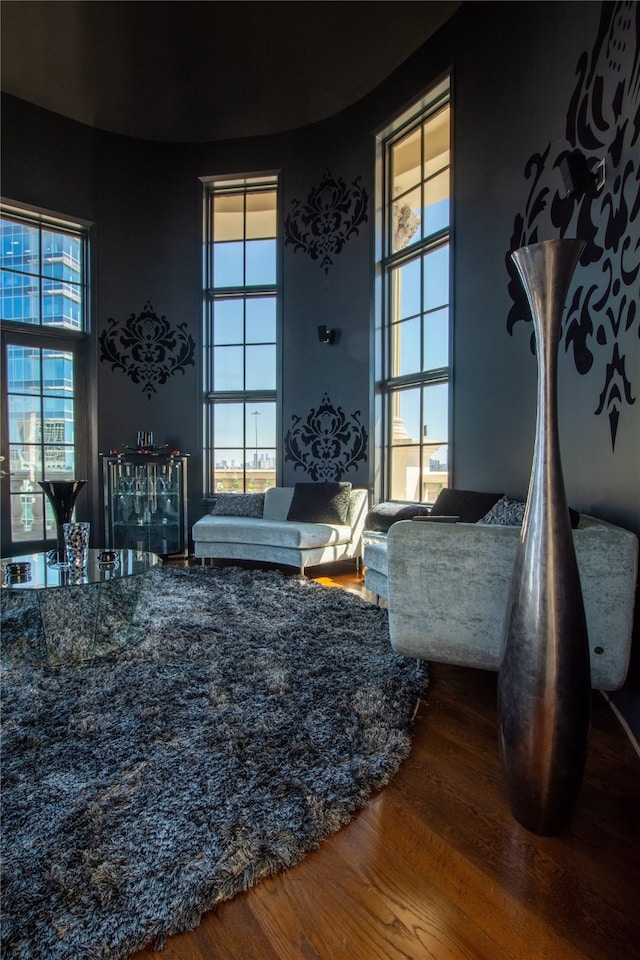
52, 615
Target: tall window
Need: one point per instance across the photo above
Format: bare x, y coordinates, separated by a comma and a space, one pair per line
43, 297
240, 335
413, 308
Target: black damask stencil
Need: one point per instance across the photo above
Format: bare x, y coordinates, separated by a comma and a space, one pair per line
328, 443
603, 122
147, 349
332, 213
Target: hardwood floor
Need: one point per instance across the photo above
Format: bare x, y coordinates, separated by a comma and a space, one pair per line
435, 867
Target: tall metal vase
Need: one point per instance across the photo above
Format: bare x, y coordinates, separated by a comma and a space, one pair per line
62, 497
544, 681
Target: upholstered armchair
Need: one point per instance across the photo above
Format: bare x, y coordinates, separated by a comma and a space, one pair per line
447, 585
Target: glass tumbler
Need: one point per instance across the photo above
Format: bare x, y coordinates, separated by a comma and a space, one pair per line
76, 539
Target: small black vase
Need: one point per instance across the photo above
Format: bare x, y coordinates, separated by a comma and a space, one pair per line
62, 497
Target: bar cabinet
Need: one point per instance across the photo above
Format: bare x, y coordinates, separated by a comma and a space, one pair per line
145, 502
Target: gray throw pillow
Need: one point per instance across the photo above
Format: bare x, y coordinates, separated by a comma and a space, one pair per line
320, 503
505, 513
239, 505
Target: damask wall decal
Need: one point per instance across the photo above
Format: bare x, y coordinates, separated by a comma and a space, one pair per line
332, 214
147, 348
327, 444
603, 122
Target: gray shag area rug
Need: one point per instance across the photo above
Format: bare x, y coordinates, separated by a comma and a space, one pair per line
249, 716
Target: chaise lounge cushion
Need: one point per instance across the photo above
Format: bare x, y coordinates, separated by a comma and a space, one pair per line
320, 503
295, 535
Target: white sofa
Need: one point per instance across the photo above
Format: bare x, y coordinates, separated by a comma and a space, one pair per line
275, 539
446, 586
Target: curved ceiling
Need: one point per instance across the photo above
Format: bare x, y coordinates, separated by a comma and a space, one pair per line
199, 71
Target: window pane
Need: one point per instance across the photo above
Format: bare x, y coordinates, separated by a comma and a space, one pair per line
406, 290
58, 421
228, 424
61, 256
228, 267
436, 413
24, 419
61, 305
435, 473
437, 143
58, 372
261, 215
404, 481
20, 247
19, 298
436, 340
405, 416
228, 470
27, 519
436, 278
227, 321
406, 347
261, 262
227, 368
23, 369
261, 320
407, 220
59, 462
261, 443
261, 424
261, 367
228, 217
406, 160
25, 463
436, 203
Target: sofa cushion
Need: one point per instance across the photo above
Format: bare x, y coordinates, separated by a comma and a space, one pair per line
320, 503
468, 505
375, 557
384, 514
280, 533
277, 501
239, 505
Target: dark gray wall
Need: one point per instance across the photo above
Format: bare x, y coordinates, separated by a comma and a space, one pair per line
515, 69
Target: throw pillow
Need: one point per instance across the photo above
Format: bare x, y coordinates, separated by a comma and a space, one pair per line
510, 513
505, 513
320, 503
384, 514
239, 505
468, 505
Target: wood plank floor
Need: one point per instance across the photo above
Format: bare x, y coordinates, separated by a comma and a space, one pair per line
435, 867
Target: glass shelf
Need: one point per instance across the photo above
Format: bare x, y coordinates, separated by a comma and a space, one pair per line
145, 502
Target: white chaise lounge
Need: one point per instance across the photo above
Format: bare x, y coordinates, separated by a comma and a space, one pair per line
302, 525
